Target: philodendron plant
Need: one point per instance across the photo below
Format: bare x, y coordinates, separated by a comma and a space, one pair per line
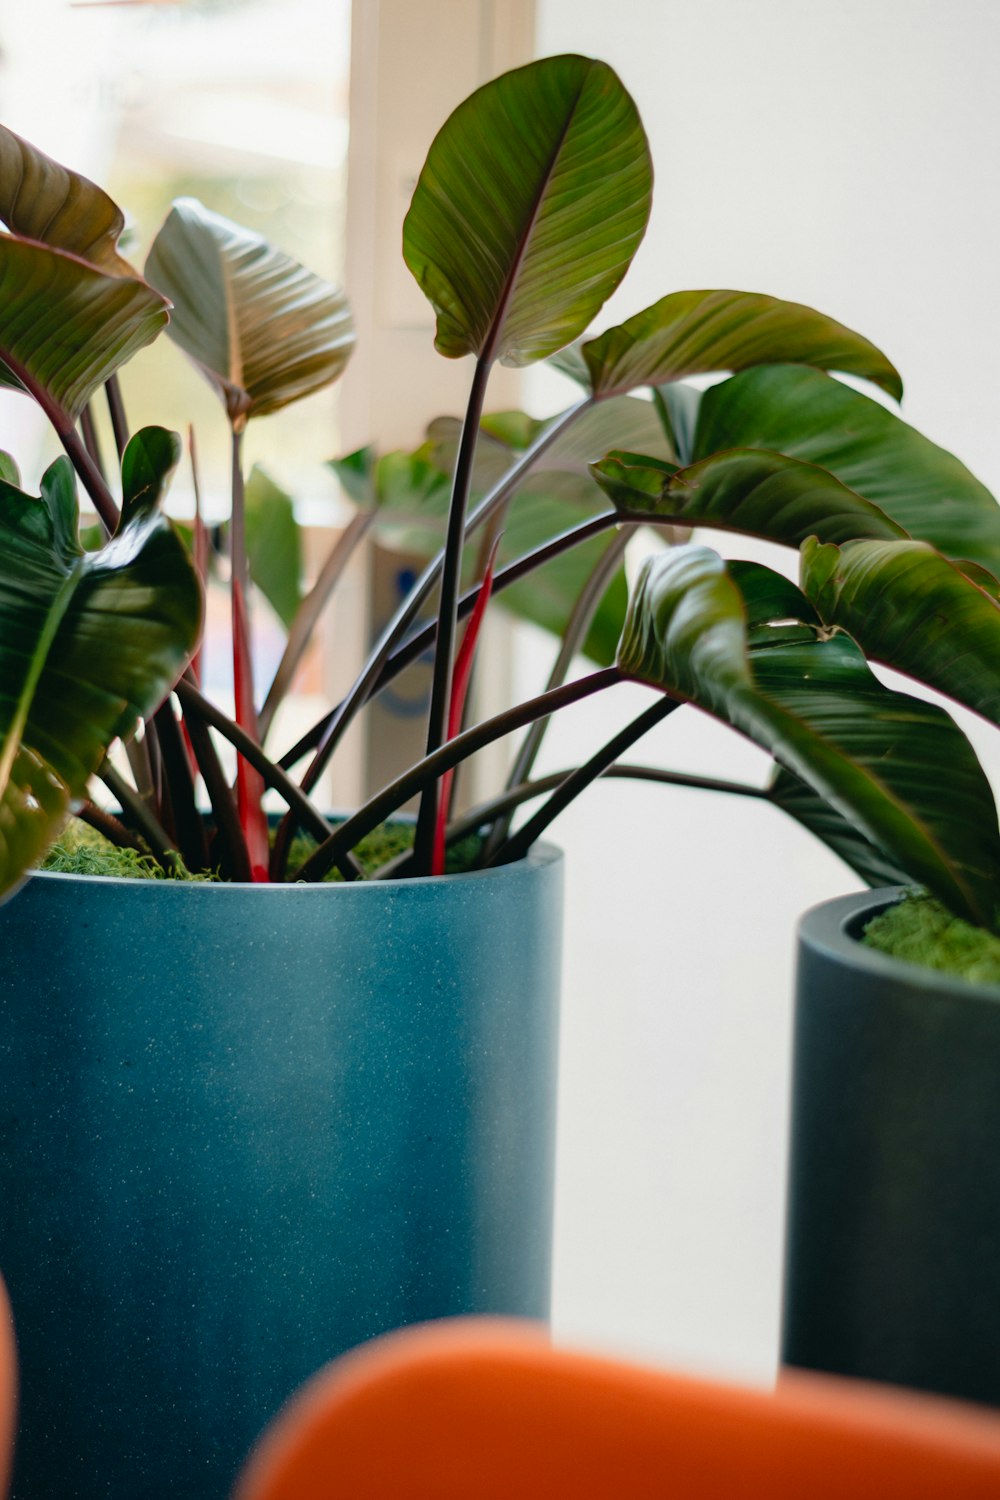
532, 201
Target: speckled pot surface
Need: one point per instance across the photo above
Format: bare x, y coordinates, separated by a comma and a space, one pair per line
893, 1247
243, 1129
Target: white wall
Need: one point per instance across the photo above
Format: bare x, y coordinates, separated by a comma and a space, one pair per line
843, 155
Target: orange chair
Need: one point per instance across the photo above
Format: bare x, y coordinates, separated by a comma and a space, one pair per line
488, 1410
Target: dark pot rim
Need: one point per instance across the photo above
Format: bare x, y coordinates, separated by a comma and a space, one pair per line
834, 928
538, 857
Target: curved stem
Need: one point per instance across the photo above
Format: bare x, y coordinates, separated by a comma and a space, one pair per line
336, 723
416, 644
519, 843
308, 613
399, 791
151, 829
574, 636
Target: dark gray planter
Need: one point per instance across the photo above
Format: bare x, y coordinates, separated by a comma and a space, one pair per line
246, 1128
893, 1249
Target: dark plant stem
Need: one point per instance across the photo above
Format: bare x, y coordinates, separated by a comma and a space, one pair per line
234, 857
116, 408
194, 702
574, 636
447, 618
189, 825
308, 613
88, 430
517, 846
416, 644
90, 475
391, 797
150, 827
336, 723
112, 829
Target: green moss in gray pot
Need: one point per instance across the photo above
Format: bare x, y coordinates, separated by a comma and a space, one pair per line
920, 930
899, 543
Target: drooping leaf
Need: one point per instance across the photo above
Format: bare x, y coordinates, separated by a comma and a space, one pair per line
89, 644
800, 802
898, 769
42, 200
263, 329
65, 327
274, 544
747, 490
148, 464
805, 414
910, 608
692, 333
530, 205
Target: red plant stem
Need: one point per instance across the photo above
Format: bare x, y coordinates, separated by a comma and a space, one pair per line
249, 783
459, 692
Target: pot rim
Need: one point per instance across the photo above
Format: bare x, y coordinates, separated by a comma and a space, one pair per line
833, 929
538, 857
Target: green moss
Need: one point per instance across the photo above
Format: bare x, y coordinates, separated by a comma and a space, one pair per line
922, 931
81, 850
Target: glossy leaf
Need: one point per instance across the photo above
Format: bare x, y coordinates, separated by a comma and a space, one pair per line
89, 644
878, 757
747, 490
42, 200
263, 329
148, 465
530, 205
804, 414
65, 327
800, 802
693, 333
274, 545
910, 608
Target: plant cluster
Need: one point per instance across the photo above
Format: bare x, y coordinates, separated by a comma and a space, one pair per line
533, 199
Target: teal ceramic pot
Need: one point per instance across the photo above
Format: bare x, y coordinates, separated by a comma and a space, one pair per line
243, 1129
893, 1249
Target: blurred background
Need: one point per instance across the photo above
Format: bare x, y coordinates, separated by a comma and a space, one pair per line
839, 155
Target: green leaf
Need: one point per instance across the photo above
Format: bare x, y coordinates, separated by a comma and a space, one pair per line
148, 465
804, 414
879, 758
356, 472
530, 205
800, 802
748, 490
263, 329
910, 608
274, 544
89, 643
515, 429
65, 327
42, 200
693, 333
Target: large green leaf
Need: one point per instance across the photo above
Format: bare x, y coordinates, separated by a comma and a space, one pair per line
898, 769
89, 644
42, 200
692, 333
800, 802
263, 329
805, 414
530, 205
274, 544
65, 326
748, 490
911, 608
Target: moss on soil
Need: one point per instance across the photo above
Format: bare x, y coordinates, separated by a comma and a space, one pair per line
81, 850
922, 931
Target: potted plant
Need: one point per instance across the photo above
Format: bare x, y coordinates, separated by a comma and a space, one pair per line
252, 1119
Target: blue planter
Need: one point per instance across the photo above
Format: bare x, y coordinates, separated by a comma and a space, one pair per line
893, 1249
246, 1128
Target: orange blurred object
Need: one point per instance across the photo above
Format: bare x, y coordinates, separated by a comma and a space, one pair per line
488, 1410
